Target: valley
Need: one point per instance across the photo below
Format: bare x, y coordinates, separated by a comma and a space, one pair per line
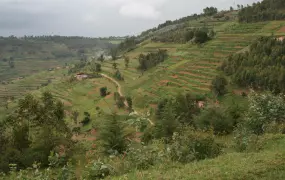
201, 97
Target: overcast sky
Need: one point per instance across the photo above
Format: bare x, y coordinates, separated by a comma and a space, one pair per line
96, 17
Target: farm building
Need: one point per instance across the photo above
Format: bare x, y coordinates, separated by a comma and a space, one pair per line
281, 38
81, 76
201, 104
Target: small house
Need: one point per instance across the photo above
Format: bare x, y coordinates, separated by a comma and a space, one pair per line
201, 104
81, 76
281, 38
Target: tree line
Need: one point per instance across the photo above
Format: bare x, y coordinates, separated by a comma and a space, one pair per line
151, 59
262, 11
208, 11
262, 67
183, 35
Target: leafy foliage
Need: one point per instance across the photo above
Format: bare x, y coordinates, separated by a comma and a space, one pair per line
209, 11
118, 75
151, 59
98, 170
112, 136
87, 118
103, 91
193, 145
264, 109
45, 118
262, 11
219, 85
184, 35
217, 118
260, 68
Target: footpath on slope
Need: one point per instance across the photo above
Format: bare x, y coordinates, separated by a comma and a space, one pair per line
119, 89
92, 136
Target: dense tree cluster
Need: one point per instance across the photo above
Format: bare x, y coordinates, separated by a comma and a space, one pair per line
263, 11
183, 35
151, 59
128, 44
36, 128
209, 11
263, 67
168, 23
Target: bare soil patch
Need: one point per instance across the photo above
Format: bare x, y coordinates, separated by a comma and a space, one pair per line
154, 106
282, 29
110, 96
217, 54
163, 82
174, 76
67, 103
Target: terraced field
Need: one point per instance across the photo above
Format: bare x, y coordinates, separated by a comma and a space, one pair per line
25, 67
189, 68
84, 96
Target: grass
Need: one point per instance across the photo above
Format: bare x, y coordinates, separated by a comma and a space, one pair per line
266, 164
193, 66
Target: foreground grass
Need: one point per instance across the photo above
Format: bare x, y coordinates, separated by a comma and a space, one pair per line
266, 164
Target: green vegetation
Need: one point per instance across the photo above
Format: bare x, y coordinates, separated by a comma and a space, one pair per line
263, 11
261, 67
151, 59
154, 109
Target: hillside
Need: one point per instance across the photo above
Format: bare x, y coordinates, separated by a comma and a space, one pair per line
189, 68
24, 60
194, 98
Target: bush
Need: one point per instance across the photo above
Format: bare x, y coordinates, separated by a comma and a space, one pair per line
118, 75
144, 157
120, 102
112, 136
86, 119
193, 145
246, 141
216, 118
219, 85
98, 170
264, 109
103, 91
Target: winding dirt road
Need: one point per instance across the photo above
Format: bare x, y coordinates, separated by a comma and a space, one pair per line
119, 89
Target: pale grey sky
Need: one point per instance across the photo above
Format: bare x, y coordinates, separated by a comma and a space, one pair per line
96, 17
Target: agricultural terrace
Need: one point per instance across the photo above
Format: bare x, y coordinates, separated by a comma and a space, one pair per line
189, 68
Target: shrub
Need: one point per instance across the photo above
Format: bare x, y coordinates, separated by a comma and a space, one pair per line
120, 101
103, 91
219, 85
264, 109
130, 103
144, 157
112, 136
193, 145
98, 170
246, 140
216, 118
86, 119
118, 75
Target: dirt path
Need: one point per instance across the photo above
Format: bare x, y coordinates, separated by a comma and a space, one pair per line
119, 89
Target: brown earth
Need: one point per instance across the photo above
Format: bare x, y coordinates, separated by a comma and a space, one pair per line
281, 29
174, 76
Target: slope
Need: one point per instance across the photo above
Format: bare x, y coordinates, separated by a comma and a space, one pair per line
189, 68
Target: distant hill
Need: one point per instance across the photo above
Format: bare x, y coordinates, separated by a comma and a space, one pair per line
25, 55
